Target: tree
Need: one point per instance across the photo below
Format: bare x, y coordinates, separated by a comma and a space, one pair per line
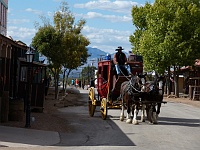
62, 43
88, 72
169, 35
139, 15
73, 41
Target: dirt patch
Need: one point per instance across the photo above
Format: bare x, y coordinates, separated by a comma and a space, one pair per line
50, 119
195, 103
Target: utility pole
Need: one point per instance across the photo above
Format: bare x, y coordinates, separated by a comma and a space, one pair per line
91, 70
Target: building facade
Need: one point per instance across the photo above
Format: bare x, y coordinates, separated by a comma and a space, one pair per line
3, 16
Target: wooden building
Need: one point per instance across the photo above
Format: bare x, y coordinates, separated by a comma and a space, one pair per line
13, 80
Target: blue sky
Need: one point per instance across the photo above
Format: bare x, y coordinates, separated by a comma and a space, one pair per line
108, 22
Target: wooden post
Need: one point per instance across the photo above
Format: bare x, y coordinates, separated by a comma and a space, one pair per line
190, 92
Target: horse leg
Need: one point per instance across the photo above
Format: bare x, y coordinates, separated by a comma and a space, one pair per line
122, 113
135, 121
128, 116
147, 112
158, 109
143, 113
154, 117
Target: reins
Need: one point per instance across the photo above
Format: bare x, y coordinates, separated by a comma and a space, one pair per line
124, 74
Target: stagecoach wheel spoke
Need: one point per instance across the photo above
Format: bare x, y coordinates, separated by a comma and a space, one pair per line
104, 108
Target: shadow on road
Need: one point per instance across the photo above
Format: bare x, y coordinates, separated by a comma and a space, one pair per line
91, 131
179, 122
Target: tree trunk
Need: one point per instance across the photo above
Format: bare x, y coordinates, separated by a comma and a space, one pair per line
67, 79
64, 80
168, 83
56, 79
176, 77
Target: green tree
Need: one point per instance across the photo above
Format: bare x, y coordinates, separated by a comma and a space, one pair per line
62, 43
139, 15
73, 41
88, 73
169, 35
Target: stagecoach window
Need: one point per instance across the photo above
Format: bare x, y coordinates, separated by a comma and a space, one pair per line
139, 58
131, 58
105, 72
99, 70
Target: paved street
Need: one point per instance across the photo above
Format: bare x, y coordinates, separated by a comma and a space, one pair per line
178, 128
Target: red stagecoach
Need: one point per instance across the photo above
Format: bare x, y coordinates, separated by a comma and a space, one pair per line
108, 84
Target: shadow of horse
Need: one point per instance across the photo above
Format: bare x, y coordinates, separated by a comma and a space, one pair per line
179, 122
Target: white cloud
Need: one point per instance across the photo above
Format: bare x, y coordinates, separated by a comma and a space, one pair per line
116, 6
106, 39
22, 34
38, 12
18, 21
111, 18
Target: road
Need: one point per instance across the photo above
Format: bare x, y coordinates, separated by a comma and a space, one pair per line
178, 129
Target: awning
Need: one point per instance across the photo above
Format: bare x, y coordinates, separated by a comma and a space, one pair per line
35, 64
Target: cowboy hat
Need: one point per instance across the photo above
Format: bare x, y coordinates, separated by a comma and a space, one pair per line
119, 48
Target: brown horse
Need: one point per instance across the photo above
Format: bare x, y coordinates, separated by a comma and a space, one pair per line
130, 93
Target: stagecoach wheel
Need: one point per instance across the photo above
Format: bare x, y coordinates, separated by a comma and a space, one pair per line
91, 102
104, 108
91, 108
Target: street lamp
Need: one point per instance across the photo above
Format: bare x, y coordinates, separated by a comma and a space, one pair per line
29, 59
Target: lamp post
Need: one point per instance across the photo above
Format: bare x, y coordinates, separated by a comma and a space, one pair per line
29, 59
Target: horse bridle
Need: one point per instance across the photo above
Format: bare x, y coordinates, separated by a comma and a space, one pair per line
160, 87
130, 81
132, 85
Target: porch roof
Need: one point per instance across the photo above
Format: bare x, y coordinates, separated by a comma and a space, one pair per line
23, 61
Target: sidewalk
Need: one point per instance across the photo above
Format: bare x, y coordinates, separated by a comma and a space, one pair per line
24, 137
21, 137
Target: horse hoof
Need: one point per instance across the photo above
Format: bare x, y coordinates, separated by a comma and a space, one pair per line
121, 118
155, 122
135, 122
142, 119
128, 121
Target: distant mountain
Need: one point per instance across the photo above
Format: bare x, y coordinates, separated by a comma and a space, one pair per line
96, 53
